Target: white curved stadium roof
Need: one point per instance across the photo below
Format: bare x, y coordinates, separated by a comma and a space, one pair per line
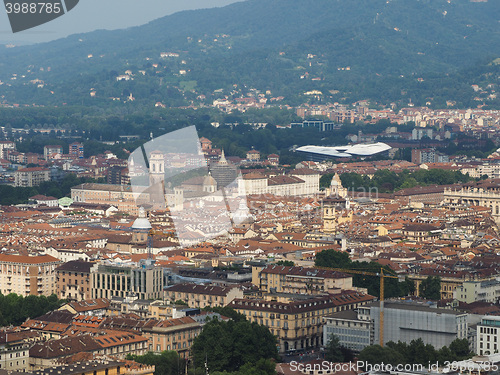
347, 151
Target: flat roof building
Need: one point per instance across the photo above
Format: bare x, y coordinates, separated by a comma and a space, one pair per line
407, 321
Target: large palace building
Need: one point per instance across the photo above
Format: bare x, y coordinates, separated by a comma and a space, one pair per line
483, 193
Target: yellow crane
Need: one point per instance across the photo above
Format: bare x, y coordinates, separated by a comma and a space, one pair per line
382, 276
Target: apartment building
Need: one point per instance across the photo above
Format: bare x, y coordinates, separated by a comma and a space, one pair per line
318, 124
172, 334
488, 335
478, 291
112, 343
450, 280
73, 280
428, 155
489, 168
143, 280
6, 146
253, 155
299, 280
200, 296
76, 150
117, 175
49, 151
29, 177
27, 275
420, 232
298, 323
354, 332
14, 352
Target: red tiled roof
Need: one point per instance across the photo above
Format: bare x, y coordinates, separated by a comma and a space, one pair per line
28, 259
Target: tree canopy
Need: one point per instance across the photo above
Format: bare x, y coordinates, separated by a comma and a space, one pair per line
415, 352
16, 195
334, 352
430, 288
229, 346
227, 312
15, 309
386, 181
166, 363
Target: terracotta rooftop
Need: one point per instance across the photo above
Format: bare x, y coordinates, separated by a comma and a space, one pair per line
89, 304
40, 259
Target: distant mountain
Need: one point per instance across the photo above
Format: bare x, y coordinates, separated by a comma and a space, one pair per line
356, 47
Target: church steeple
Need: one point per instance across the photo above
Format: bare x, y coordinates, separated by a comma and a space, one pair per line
222, 160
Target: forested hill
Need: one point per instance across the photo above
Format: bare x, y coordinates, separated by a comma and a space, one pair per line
343, 45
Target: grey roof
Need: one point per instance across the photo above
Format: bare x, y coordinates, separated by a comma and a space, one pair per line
346, 314
412, 306
76, 266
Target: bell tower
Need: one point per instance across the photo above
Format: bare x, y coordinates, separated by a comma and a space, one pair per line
156, 167
329, 217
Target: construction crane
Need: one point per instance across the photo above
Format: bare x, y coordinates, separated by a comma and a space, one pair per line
168, 233
382, 276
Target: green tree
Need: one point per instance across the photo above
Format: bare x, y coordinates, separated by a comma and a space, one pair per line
333, 258
445, 354
262, 367
460, 349
15, 309
227, 346
375, 354
333, 350
227, 312
430, 288
166, 363
416, 352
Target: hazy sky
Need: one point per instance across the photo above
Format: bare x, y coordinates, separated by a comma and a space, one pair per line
90, 15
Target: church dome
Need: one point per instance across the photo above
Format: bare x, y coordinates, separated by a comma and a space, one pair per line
142, 222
